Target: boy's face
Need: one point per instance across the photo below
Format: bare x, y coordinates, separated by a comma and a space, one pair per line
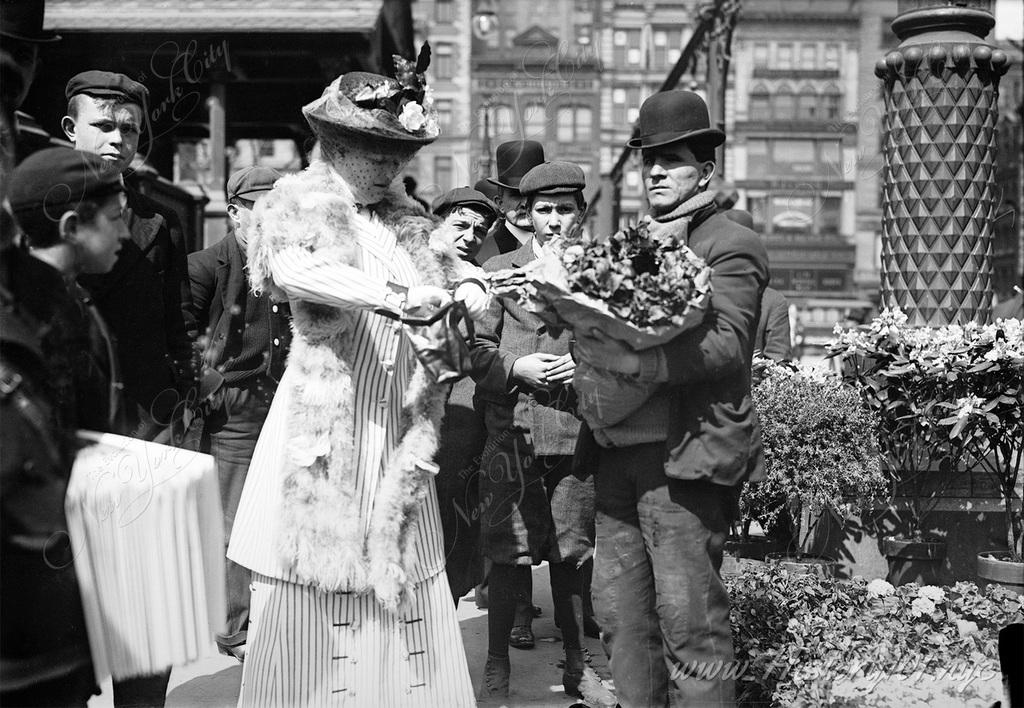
97, 242
105, 128
471, 228
241, 217
554, 215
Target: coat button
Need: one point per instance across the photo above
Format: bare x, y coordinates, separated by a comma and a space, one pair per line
277, 342
383, 403
273, 308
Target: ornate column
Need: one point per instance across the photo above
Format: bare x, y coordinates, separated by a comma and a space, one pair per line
938, 196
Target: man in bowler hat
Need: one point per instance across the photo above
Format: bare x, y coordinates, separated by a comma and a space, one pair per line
142, 298
244, 350
668, 475
515, 158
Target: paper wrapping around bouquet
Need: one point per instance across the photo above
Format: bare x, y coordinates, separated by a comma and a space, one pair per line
541, 287
148, 536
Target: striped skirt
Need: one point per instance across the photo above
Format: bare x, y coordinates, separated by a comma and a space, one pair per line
311, 648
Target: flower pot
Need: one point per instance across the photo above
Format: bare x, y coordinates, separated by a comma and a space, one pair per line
805, 565
914, 561
995, 568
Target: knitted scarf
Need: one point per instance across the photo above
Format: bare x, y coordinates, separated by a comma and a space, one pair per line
322, 538
677, 222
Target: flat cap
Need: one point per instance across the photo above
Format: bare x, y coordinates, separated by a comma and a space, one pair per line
464, 196
58, 178
251, 182
555, 177
107, 83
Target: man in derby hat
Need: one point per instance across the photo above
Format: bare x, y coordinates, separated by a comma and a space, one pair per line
143, 297
246, 338
514, 158
671, 470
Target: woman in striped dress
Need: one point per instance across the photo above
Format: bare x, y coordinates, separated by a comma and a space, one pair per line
338, 519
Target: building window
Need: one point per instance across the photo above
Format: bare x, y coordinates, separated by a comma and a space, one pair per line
784, 56
807, 104
761, 54
831, 102
830, 216
503, 121
784, 104
792, 213
808, 56
758, 208
266, 148
757, 157
444, 61
443, 172
574, 124
444, 114
444, 11
830, 156
666, 46
831, 56
760, 103
535, 121
626, 48
625, 105
794, 157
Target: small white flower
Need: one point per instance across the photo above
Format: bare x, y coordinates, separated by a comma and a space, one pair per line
880, 588
932, 593
921, 606
966, 627
412, 118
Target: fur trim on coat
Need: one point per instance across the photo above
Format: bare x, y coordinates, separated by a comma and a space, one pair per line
322, 535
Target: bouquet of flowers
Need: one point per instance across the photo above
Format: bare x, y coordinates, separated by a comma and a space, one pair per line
635, 286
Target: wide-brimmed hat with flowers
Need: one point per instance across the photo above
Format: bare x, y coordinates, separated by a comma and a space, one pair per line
377, 107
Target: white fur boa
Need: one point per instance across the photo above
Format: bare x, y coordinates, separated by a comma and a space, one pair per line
321, 526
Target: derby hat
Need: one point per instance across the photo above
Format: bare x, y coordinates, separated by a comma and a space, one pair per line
515, 158
486, 188
369, 106
672, 116
23, 19
554, 177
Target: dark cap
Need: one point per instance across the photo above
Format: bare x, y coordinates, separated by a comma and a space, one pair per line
464, 196
58, 178
250, 182
23, 19
107, 83
673, 116
554, 177
515, 158
487, 189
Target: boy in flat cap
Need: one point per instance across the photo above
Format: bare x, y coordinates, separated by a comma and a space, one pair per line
71, 222
471, 214
542, 509
671, 470
143, 297
244, 349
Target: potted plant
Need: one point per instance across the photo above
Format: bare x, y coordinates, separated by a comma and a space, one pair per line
819, 455
944, 399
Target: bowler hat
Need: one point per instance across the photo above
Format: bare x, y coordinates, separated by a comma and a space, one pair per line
23, 19
464, 196
515, 158
58, 178
486, 188
671, 116
554, 177
250, 182
105, 84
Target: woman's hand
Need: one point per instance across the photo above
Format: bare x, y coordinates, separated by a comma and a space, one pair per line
427, 297
532, 369
475, 299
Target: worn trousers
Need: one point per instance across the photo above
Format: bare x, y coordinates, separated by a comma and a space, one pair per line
658, 594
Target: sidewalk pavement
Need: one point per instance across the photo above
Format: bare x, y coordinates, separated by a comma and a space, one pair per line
536, 678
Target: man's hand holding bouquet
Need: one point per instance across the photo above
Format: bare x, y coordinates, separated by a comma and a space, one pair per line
620, 295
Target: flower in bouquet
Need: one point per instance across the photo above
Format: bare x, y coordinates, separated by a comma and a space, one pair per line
880, 588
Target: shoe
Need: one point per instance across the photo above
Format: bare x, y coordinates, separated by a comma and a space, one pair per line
481, 597
591, 628
581, 681
521, 637
237, 651
496, 674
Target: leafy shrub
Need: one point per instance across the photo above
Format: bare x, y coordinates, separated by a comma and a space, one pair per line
803, 640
